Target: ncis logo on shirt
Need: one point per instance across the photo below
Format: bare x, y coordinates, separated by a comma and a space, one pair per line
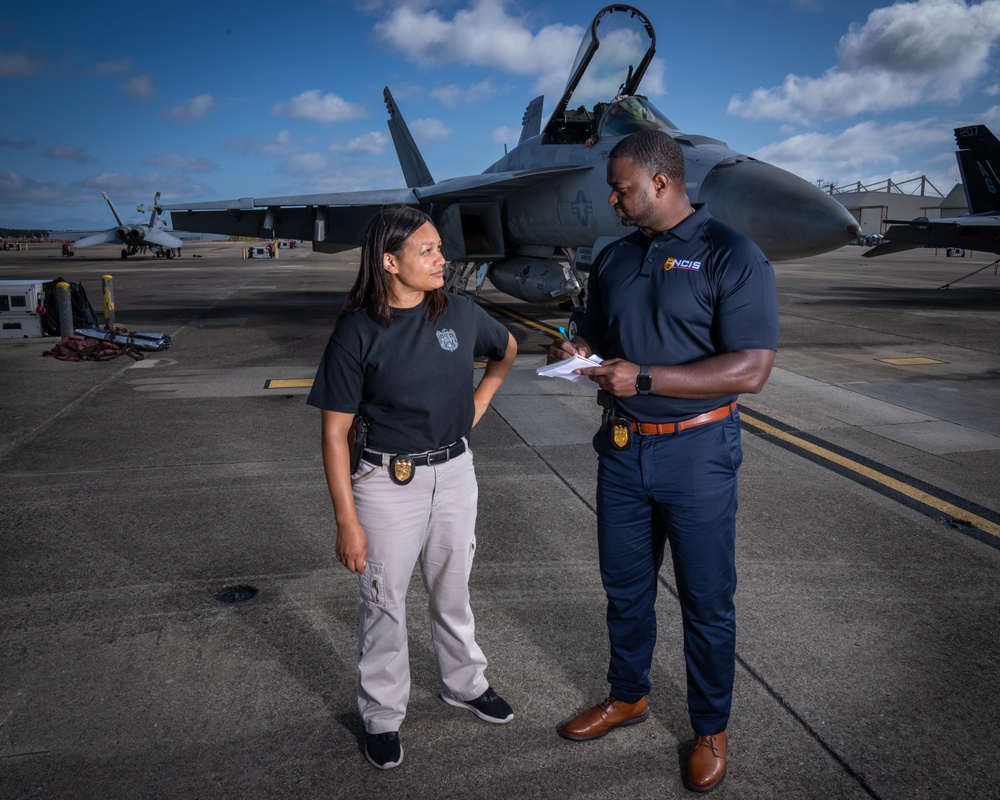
674, 263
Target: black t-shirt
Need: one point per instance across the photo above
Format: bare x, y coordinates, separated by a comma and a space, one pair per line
413, 380
697, 290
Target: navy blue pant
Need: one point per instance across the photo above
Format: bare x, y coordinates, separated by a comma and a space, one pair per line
680, 489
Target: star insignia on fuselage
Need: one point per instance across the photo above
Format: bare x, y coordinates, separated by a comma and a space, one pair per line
582, 207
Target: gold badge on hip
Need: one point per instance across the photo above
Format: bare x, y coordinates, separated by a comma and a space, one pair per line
621, 434
401, 470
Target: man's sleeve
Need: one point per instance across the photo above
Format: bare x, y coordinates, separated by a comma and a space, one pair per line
748, 304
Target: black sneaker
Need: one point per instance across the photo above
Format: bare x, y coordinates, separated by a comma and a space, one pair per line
489, 706
383, 750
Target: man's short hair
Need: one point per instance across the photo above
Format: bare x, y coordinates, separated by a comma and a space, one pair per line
654, 151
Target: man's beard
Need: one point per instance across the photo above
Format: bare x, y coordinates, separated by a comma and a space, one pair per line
640, 213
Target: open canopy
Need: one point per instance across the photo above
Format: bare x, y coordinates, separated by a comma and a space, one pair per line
607, 66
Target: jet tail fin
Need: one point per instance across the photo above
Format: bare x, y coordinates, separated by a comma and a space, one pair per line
111, 205
412, 163
154, 217
531, 122
979, 162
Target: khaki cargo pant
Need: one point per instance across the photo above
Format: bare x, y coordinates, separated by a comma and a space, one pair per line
430, 520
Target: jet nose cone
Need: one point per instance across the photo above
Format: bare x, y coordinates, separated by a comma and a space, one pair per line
785, 215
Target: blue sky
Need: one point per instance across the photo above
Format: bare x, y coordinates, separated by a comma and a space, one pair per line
236, 99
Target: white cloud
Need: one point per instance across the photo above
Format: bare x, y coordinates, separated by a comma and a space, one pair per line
16, 144
453, 94
139, 86
316, 107
306, 163
483, 35
17, 190
426, 131
368, 144
180, 163
194, 108
351, 176
903, 55
113, 67
506, 135
18, 65
68, 152
866, 148
124, 187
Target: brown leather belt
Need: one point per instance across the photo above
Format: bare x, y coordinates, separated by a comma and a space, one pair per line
652, 428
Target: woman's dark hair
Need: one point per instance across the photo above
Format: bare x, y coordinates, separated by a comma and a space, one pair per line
387, 232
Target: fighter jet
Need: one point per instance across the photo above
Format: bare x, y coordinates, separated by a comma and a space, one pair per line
979, 162
534, 221
136, 237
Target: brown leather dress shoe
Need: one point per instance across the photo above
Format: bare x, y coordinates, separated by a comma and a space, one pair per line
599, 720
707, 765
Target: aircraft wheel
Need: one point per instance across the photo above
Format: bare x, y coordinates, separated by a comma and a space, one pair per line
572, 327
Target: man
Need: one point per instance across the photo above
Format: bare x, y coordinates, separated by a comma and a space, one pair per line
684, 312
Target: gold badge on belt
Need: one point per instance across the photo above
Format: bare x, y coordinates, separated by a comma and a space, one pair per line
401, 470
621, 434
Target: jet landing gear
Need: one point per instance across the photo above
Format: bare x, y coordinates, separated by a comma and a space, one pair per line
573, 326
577, 306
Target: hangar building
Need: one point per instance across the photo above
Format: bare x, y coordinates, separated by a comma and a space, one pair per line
873, 204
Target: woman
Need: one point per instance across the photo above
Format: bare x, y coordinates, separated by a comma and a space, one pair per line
401, 358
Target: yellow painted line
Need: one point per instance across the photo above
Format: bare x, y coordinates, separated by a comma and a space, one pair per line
943, 506
915, 361
306, 383
289, 383
515, 316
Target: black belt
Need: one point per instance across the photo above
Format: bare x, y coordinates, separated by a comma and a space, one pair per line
419, 459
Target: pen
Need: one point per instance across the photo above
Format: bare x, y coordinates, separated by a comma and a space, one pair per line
562, 330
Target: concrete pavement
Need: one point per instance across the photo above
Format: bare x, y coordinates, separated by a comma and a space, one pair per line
134, 494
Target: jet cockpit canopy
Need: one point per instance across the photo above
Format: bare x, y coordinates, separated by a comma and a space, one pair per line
627, 115
606, 66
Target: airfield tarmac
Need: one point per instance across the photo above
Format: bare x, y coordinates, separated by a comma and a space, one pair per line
136, 493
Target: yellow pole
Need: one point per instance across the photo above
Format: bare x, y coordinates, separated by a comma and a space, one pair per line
107, 284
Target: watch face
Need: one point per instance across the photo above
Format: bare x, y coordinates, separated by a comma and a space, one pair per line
644, 383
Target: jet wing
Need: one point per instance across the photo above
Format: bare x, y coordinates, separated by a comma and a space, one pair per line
491, 186
334, 221
978, 161
102, 237
972, 232
158, 236
888, 247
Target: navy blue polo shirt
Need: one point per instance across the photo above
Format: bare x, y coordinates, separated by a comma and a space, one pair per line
697, 290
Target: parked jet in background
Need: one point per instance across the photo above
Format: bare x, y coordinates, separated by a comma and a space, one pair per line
979, 162
136, 237
534, 221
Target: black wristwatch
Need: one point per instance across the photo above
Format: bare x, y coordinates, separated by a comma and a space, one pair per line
644, 381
